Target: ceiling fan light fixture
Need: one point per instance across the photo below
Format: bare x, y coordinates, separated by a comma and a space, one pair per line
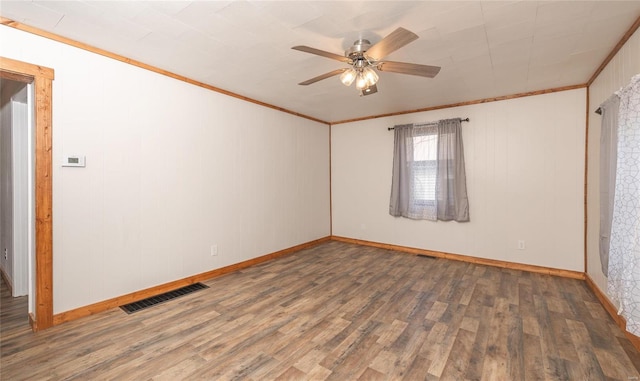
361, 81
371, 76
348, 77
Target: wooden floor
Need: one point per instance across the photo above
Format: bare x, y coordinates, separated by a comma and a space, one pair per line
338, 312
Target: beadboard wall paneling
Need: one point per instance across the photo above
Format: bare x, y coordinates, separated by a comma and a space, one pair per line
525, 178
171, 169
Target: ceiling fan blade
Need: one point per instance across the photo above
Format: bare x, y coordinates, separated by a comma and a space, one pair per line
409, 68
323, 76
394, 41
318, 52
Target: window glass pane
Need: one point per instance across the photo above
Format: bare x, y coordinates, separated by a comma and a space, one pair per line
424, 167
425, 147
424, 180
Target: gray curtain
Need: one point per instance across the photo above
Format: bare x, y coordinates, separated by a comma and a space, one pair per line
451, 179
425, 186
402, 171
608, 160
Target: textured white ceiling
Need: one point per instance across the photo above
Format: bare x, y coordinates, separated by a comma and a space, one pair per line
485, 48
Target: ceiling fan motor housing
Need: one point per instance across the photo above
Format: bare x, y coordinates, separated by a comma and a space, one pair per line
356, 51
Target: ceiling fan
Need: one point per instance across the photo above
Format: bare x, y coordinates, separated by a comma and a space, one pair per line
363, 58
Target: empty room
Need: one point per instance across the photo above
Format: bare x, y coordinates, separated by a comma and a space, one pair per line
319, 190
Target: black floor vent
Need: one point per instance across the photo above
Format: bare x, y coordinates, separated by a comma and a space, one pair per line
426, 256
152, 301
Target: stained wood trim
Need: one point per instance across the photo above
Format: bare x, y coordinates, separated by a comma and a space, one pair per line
615, 51
117, 57
102, 52
44, 203
41, 77
24, 70
586, 174
613, 311
466, 258
466, 103
330, 186
156, 290
16, 77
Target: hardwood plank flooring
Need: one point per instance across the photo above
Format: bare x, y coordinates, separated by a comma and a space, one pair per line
337, 311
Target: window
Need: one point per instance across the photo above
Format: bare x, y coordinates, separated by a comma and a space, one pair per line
425, 152
429, 181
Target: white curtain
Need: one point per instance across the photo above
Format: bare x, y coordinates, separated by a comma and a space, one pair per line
624, 250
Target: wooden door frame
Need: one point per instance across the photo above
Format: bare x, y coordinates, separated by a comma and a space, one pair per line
42, 78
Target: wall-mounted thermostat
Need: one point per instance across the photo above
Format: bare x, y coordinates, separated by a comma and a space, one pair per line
73, 161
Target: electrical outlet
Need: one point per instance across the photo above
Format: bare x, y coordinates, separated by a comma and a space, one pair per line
521, 245
214, 250
5, 253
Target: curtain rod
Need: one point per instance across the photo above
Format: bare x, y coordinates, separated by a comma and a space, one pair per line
462, 120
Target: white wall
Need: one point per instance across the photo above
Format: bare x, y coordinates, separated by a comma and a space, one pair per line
171, 169
14, 171
616, 74
21, 172
525, 179
6, 181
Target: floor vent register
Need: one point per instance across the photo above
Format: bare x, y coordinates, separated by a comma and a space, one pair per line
158, 299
